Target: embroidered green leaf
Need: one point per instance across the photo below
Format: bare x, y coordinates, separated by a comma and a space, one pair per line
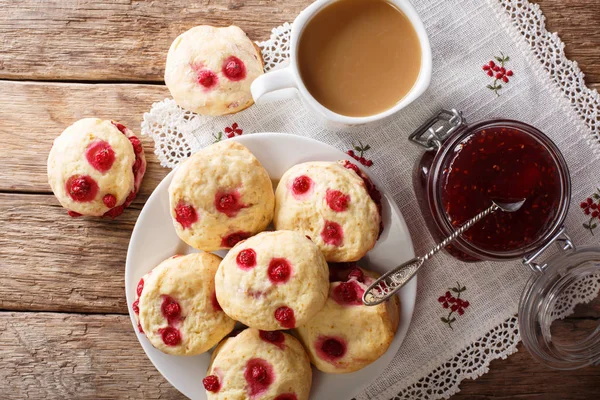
455, 290
444, 320
452, 320
499, 59
596, 196
506, 58
367, 147
490, 87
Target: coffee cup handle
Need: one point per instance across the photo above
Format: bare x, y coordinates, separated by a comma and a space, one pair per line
272, 86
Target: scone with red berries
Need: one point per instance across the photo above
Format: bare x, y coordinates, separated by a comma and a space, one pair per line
346, 335
335, 204
274, 280
259, 365
95, 167
219, 196
178, 309
209, 70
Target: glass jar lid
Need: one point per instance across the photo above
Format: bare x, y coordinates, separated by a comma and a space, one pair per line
563, 286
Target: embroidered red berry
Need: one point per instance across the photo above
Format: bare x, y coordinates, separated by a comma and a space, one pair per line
486, 67
109, 200
285, 316
490, 73
369, 163
211, 383
246, 259
81, 188
234, 69
504, 79
492, 64
498, 75
350, 153
233, 130
595, 214
503, 70
593, 206
509, 73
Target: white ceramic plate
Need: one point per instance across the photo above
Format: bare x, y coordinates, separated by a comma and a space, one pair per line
154, 239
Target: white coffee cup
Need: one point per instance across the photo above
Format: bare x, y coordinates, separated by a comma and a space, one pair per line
264, 86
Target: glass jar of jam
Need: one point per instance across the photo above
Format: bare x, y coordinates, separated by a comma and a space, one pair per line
466, 167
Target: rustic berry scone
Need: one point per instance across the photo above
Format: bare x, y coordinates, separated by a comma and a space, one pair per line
274, 280
95, 167
219, 196
178, 309
209, 70
346, 335
259, 365
335, 204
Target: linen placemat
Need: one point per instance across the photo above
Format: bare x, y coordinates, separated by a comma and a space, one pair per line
544, 89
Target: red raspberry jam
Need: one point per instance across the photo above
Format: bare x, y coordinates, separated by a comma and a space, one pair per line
501, 164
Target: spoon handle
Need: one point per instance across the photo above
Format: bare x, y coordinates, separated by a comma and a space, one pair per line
389, 283
460, 231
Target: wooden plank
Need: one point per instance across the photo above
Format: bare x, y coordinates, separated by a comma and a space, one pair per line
49, 261
576, 22
117, 40
128, 41
71, 356
49, 355
33, 114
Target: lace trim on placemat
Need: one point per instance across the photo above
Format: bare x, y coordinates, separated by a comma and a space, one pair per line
549, 50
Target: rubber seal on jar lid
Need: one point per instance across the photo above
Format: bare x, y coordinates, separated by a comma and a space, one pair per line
566, 286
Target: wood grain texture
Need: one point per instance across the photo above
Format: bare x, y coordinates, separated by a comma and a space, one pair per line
577, 22
33, 114
50, 356
73, 356
117, 40
51, 262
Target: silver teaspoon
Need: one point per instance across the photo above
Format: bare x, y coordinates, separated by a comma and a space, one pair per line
392, 281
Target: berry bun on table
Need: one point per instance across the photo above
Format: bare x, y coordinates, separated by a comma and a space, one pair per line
346, 335
259, 365
209, 70
274, 280
219, 196
334, 203
95, 167
178, 309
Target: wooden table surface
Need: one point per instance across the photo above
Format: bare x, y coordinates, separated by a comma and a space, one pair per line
64, 328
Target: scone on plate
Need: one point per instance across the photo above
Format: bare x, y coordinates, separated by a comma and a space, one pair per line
219, 196
178, 309
274, 280
209, 70
95, 167
259, 365
335, 204
346, 335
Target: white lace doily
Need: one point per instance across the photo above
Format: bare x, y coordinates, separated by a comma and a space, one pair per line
547, 90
